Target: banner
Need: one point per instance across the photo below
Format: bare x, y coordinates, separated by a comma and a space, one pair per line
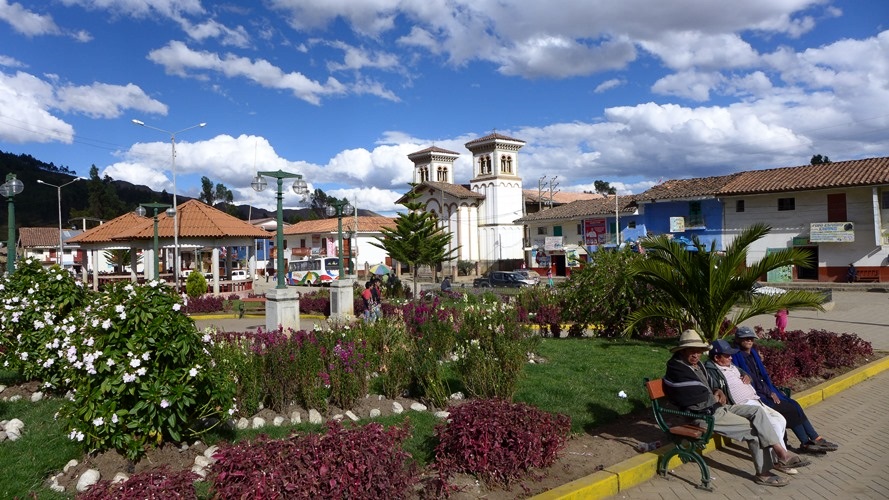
594, 232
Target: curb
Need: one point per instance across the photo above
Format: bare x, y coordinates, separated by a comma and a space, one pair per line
641, 468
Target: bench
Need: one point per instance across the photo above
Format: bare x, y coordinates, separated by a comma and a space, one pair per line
243, 309
689, 440
870, 275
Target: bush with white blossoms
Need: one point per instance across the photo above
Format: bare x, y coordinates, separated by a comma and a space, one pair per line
140, 372
36, 312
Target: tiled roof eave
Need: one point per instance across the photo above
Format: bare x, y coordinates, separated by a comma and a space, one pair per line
799, 189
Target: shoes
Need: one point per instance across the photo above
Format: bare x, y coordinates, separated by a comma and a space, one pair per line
785, 469
793, 461
817, 447
772, 480
827, 445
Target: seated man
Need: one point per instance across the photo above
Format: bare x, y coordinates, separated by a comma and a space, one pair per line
688, 386
748, 360
735, 384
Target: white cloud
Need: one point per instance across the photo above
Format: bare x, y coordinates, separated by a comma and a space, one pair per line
172, 9
609, 84
102, 100
10, 62
178, 59
688, 84
27, 22
24, 115
237, 37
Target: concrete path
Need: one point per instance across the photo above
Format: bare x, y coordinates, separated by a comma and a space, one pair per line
865, 314
857, 419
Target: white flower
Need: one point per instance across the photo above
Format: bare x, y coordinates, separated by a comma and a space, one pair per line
193, 372
135, 362
145, 356
114, 418
128, 377
119, 308
141, 371
165, 403
110, 362
106, 324
99, 421
622, 394
176, 307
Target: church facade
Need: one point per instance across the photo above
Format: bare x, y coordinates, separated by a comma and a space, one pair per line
480, 215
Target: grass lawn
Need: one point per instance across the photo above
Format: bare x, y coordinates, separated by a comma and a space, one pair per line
580, 378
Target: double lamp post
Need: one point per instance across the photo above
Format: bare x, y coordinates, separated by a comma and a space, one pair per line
59, 191
9, 189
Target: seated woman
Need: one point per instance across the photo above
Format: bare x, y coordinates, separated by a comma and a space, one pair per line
735, 384
748, 360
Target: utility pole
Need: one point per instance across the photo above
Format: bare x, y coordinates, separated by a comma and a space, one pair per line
552, 185
540, 184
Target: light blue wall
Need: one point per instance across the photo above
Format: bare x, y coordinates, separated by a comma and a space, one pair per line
657, 220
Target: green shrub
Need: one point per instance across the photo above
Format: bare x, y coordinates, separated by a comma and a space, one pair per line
36, 313
234, 355
195, 284
392, 351
492, 348
140, 372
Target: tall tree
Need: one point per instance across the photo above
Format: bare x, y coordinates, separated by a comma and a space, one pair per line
319, 201
818, 159
603, 187
102, 199
212, 195
704, 288
417, 239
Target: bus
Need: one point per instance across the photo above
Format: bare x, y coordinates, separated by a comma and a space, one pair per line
313, 271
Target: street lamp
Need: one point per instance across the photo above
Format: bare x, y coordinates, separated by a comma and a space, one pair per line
59, 190
339, 209
9, 189
140, 211
175, 209
299, 187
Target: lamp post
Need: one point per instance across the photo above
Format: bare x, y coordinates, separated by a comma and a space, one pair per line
59, 190
9, 189
299, 187
175, 209
140, 211
339, 209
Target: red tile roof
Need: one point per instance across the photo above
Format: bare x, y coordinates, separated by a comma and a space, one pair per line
584, 208
196, 220
866, 172
687, 188
105, 233
35, 237
369, 224
491, 137
431, 150
533, 196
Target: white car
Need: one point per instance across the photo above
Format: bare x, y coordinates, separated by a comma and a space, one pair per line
760, 289
240, 275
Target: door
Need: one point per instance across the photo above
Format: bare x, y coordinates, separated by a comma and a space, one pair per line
811, 273
781, 274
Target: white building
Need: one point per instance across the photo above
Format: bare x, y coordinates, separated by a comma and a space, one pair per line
480, 215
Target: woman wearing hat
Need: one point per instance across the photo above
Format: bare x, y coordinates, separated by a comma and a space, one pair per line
747, 359
689, 387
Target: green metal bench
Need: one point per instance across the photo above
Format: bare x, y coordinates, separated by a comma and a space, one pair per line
689, 439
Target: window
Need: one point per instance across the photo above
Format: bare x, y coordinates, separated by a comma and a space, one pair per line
695, 215
739, 206
631, 224
785, 204
542, 230
557, 230
885, 200
302, 243
579, 230
836, 207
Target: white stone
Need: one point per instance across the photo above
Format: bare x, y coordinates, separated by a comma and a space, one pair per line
14, 424
200, 471
87, 479
442, 414
37, 396
202, 461
338, 417
418, 407
13, 434
120, 477
352, 416
183, 447
295, 417
71, 463
258, 422
243, 423
278, 421
3, 436
15, 398
315, 417
55, 486
397, 408
457, 396
209, 452
2, 388
375, 412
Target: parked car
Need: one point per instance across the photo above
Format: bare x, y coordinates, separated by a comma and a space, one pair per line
240, 275
500, 279
528, 276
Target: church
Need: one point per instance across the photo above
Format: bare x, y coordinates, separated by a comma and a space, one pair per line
481, 215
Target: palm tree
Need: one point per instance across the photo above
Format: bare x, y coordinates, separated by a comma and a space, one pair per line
120, 259
703, 288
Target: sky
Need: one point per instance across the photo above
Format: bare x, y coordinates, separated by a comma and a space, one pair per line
632, 92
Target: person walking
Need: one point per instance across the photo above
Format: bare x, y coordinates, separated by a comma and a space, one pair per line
549, 277
781, 321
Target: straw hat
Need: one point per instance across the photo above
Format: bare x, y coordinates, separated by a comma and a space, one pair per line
690, 339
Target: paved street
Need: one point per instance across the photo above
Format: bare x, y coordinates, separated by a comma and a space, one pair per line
856, 419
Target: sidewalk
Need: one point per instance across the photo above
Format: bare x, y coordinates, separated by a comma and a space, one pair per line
856, 419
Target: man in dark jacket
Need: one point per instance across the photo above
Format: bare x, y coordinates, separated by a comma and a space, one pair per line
689, 387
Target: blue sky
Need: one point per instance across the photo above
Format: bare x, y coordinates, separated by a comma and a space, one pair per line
341, 91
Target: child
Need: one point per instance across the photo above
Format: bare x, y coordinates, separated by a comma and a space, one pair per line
549, 277
781, 320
